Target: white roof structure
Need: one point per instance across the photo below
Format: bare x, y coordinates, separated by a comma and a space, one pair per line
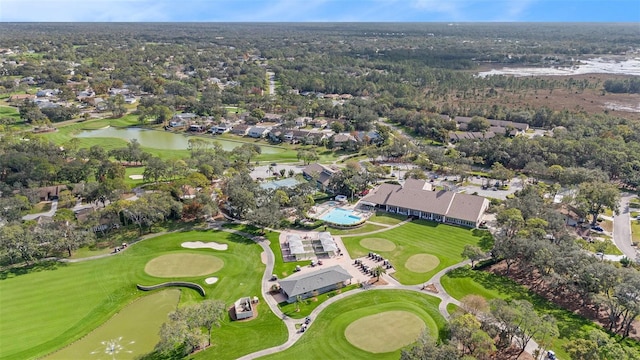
328, 244
295, 245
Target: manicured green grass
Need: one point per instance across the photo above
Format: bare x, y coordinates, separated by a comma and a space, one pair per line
422, 263
386, 218
377, 244
361, 230
135, 328
419, 237
67, 301
8, 111
325, 338
464, 281
635, 231
281, 269
183, 265
401, 328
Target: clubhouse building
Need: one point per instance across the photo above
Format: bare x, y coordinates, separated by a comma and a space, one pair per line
417, 198
314, 283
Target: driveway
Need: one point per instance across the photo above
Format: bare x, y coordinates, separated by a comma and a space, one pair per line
50, 213
622, 228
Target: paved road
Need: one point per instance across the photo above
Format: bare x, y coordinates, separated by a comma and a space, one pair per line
622, 228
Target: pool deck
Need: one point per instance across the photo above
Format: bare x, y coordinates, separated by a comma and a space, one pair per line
320, 210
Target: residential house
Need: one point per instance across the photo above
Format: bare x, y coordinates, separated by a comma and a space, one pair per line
315, 283
49, 193
196, 128
416, 198
221, 128
343, 140
258, 131
368, 137
240, 130
116, 91
319, 123
184, 117
302, 121
130, 100
269, 117
473, 135
320, 173
47, 92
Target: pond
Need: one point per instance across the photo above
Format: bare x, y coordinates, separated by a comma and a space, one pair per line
166, 140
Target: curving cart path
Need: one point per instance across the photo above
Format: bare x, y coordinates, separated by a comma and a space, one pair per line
294, 335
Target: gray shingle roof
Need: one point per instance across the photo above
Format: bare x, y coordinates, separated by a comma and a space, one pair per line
299, 284
413, 195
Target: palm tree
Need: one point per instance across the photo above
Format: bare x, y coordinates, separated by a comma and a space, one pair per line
378, 271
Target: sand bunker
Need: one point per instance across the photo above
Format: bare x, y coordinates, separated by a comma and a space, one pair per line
211, 280
136, 177
203, 245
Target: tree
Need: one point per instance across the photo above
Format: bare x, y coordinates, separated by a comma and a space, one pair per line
378, 271
69, 236
478, 123
594, 197
511, 221
210, 313
115, 104
426, 348
182, 334
472, 253
267, 216
474, 341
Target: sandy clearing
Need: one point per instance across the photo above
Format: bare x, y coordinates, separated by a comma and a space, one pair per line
263, 257
211, 280
203, 245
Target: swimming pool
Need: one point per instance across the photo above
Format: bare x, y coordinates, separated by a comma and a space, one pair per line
341, 217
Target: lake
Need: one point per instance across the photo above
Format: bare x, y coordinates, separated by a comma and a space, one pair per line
165, 140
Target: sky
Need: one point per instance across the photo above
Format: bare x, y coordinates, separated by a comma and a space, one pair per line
320, 11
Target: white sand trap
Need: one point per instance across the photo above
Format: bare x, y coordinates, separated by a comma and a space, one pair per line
211, 280
204, 245
136, 177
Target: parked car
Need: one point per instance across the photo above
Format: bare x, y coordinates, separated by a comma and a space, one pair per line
597, 228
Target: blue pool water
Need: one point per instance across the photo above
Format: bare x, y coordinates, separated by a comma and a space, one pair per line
341, 217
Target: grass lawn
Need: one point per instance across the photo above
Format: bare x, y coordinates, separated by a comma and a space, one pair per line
635, 231
69, 300
464, 281
418, 237
361, 230
326, 337
135, 328
280, 268
386, 218
606, 246
42, 206
9, 111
